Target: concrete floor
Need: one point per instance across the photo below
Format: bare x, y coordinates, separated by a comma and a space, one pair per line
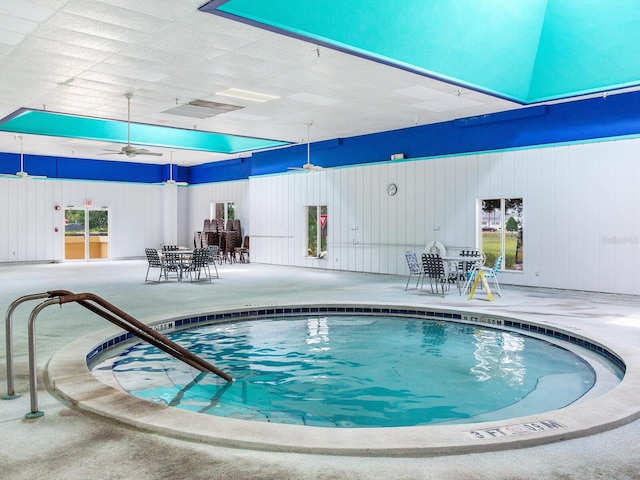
68, 443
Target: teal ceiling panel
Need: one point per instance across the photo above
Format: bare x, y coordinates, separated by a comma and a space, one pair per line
587, 46
40, 122
526, 51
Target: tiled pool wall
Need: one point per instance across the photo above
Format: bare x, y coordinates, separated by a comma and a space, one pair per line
488, 321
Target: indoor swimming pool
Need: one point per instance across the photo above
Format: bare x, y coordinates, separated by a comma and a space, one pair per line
360, 370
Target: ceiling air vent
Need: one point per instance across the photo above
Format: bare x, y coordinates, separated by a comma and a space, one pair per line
202, 109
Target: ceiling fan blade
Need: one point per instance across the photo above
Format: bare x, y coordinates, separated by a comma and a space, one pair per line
111, 152
22, 174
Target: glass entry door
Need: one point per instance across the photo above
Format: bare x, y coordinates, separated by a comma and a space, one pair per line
86, 234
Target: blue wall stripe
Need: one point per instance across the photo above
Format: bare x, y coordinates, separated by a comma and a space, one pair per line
614, 116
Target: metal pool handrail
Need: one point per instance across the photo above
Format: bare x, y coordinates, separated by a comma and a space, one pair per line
111, 313
8, 322
106, 310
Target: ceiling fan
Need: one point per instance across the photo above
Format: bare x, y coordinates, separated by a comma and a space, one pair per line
309, 167
171, 181
21, 173
129, 150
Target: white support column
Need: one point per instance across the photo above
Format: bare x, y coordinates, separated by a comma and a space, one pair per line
170, 211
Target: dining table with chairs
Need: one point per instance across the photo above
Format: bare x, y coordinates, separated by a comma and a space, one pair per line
181, 261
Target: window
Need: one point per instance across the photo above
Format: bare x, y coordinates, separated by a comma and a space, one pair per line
317, 231
222, 210
502, 231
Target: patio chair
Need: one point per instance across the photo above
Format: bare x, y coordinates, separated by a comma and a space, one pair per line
213, 257
414, 268
172, 262
490, 273
475, 260
433, 268
154, 261
197, 264
241, 253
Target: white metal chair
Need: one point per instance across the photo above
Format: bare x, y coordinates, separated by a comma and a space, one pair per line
414, 267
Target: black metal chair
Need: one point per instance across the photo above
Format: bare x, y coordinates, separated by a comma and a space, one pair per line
198, 263
213, 257
154, 260
433, 267
172, 262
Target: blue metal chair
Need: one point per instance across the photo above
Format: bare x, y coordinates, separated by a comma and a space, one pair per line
489, 273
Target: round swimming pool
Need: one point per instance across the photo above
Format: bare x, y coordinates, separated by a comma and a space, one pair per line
605, 406
353, 371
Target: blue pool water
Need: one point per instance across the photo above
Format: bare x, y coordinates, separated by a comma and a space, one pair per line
342, 371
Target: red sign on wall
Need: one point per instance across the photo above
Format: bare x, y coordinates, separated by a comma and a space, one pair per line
323, 221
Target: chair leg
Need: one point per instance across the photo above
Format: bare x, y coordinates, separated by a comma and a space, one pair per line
216, 268
495, 282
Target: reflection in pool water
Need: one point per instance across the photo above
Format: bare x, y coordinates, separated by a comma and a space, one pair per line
358, 371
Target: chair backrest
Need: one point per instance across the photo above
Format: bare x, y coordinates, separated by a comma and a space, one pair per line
169, 248
200, 257
171, 258
473, 254
207, 225
433, 265
213, 252
498, 264
245, 242
152, 257
412, 262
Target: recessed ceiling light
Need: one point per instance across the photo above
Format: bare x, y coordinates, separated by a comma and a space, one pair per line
247, 95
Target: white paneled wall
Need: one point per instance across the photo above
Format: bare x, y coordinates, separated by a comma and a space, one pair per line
198, 200
29, 219
581, 225
582, 213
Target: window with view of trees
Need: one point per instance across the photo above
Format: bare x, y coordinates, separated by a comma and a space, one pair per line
317, 231
222, 210
502, 231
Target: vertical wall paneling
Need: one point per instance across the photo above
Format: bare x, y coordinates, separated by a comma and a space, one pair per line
578, 228
561, 212
533, 232
548, 220
625, 201
610, 231
581, 229
374, 232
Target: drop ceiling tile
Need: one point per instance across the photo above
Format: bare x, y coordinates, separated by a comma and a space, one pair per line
69, 37
447, 105
10, 38
314, 99
26, 10
94, 27
114, 15
420, 92
16, 24
129, 72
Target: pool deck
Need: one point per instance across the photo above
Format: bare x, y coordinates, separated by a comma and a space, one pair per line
73, 440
